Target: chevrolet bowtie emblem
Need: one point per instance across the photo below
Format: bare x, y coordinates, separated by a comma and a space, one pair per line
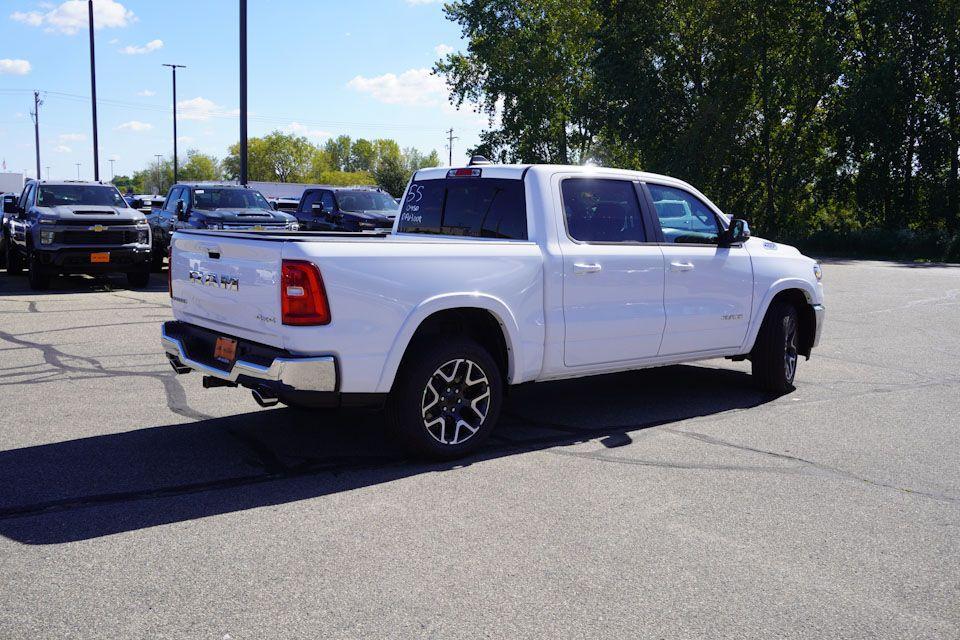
98, 227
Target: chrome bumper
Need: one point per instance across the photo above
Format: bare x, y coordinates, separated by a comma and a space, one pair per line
313, 373
820, 313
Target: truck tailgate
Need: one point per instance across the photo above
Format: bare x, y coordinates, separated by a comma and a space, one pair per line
228, 284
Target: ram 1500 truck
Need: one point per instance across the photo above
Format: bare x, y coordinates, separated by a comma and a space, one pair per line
76, 227
492, 276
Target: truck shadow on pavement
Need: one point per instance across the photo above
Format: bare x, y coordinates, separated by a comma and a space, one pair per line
91, 487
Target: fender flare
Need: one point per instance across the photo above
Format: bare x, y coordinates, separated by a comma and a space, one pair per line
446, 302
776, 288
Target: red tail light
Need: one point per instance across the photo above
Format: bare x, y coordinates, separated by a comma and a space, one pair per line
303, 300
170, 270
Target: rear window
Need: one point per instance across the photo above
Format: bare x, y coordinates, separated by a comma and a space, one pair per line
471, 207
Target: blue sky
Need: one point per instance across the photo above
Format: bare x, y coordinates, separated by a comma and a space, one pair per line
316, 67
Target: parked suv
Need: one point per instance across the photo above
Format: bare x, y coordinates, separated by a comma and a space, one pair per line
228, 207
75, 227
346, 209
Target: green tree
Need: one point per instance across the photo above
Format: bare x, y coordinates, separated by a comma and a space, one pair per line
200, 166
363, 156
278, 156
392, 175
338, 151
528, 64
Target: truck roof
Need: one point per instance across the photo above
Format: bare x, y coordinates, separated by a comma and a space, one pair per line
517, 171
63, 183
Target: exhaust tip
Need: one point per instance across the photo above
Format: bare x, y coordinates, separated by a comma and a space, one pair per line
178, 366
264, 398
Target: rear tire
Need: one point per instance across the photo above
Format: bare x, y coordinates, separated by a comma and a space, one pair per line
37, 276
138, 279
14, 260
775, 355
446, 399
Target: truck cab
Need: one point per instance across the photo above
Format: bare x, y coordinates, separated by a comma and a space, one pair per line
493, 275
215, 206
346, 209
75, 227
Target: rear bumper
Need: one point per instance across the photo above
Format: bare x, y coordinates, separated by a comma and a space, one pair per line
256, 366
820, 313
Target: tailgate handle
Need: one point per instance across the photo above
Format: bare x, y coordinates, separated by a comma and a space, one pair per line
213, 252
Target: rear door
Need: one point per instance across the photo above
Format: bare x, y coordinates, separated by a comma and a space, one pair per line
613, 274
229, 284
708, 293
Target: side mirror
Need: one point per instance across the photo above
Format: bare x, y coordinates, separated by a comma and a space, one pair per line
10, 206
181, 211
738, 232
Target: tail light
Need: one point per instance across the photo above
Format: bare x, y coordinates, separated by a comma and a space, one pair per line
303, 300
170, 270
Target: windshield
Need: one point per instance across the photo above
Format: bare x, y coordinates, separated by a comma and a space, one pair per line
229, 199
366, 201
79, 194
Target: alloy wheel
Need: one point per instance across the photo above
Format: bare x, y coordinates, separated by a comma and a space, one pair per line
456, 400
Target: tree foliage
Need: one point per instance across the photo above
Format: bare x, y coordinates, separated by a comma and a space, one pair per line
801, 115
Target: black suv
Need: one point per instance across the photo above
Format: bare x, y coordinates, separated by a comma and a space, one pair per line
346, 209
227, 207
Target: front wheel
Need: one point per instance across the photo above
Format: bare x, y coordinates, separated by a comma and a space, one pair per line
138, 279
776, 355
14, 260
37, 276
446, 400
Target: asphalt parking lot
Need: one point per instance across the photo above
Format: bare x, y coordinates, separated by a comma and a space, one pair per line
668, 503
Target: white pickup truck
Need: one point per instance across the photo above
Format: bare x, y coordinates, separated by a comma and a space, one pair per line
492, 276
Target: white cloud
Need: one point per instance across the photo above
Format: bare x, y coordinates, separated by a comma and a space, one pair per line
443, 50
72, 137
198, 109
303, 130
114, 41
184, 139
14, 67
135, 125
71, 16
131, 50
146, 93
62, 149
415, 87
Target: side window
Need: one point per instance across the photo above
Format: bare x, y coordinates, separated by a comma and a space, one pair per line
27, 196
602, 210
683, 217
185, 194
326, 199
171, 203
311, 198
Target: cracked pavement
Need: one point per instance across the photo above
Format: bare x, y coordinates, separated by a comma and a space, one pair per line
668, 503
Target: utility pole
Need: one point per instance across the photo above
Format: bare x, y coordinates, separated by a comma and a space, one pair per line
48, 172
243, 92
450, 139
36, 126
174, 67
159, 186
93, 96
111, 169
78, 171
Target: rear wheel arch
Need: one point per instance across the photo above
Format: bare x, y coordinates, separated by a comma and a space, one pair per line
482, 325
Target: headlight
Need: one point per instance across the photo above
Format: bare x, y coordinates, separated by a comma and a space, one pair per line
367, 225
293, 226
143, 236
46, 237
214, 225
817, 271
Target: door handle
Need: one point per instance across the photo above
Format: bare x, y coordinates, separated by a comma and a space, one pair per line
580, 268
681, 266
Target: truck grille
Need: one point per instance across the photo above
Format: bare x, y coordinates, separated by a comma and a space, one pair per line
99, 237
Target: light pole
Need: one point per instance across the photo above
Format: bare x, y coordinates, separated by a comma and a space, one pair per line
48, 172
78, 171
159, 186
93, 96
243, 92
174, 67
111, 169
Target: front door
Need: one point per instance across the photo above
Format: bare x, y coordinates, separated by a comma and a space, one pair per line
708, 290
612, 277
